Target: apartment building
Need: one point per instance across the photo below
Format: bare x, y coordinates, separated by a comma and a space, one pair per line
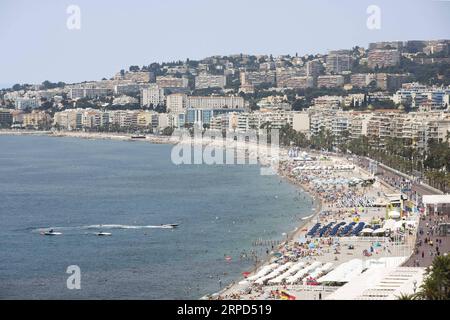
167, 82
70, 119
328, 101
176, 103
330, 81
354, 100
358, 125
36, 119
215, 102
128, 88
391, 82
257, 78
152, 95
314, 68
298, 82
124, 118
283, 75
204, 80
362, 80
6, 118
27, 103
339, 61
90, 93
416, 96
383, 58
202, 117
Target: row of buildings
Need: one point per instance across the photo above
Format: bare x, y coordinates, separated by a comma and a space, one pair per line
292, 78
19, 119
90, 119
418, 127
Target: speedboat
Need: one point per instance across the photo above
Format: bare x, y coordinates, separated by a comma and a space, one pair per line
169, 225
103, 234
51, 233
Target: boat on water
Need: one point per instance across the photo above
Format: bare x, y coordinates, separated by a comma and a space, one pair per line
103, 234
51, 233
169, 225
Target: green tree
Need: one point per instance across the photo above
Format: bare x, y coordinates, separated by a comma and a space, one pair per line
436, 285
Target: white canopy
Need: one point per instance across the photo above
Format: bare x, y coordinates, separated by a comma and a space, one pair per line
394, 214
379, 230
274, 273
299, 275
389, 224
344, 272
367, 230
263, 271
436, 199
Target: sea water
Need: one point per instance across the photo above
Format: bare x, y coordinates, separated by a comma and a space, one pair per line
80, 187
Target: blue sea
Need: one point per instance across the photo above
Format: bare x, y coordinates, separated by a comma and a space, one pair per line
80, 187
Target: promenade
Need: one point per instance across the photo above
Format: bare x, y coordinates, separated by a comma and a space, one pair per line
429, 244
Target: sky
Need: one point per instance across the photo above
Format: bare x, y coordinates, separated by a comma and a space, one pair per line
37, 45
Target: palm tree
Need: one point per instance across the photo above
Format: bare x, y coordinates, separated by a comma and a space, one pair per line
404, 296
436, 285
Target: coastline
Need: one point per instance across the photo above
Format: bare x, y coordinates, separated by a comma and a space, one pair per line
316, 208
317, 204
90, 136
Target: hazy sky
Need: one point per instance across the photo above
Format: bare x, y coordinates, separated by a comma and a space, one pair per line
36, 44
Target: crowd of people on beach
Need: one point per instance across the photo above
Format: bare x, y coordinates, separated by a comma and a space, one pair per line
341, 199
337, 194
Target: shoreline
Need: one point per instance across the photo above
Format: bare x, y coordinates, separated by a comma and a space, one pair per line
317, 204
233, 290
316, 208
90, 135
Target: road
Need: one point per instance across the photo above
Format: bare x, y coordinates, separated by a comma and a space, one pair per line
428, 243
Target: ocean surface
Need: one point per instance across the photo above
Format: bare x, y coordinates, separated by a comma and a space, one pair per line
80, 187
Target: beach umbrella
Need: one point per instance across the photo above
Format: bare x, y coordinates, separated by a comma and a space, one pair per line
394, 214
367, 230
379, 231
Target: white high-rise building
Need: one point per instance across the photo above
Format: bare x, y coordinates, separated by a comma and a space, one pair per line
153, 95
215, 102
176, 103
